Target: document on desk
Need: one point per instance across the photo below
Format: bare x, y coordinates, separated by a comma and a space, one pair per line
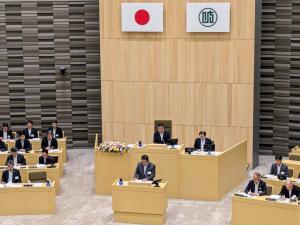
41, 165
206, 153
272, 177
53, 150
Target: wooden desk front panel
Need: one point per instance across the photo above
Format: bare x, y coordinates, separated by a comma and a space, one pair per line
247, 211
27, 201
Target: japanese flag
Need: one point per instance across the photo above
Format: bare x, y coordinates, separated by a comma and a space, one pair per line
142, 17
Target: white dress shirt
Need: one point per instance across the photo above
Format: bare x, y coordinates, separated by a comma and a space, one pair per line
49, 143
278, 169
162, 137
10, 177
54, 132
5, 135
256, 188
29, 132
15, 160
290, 193
202, 144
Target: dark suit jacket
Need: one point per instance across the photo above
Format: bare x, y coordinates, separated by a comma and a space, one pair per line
197, 144
20, 159
34, 133
262, 187
9, 133
53, 144
157, 139
295, 191
16, 176
149, 174
3, 147
27, 145
49, 160
284, 168
58, 132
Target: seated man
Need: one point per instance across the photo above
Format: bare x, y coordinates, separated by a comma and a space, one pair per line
279, 168
48, 142
161, 136
3, 147
5, 133
289, 190
256, 186
11, 175
15, 158
145, 170
201, 141
45, 158
55, 130
23, 144
30, 132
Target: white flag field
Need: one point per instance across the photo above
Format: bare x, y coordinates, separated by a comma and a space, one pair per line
142, 17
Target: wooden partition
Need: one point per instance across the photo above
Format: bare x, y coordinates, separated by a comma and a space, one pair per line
199, 177
197, 80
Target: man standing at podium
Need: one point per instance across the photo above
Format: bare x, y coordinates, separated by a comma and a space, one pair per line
161, 136
145, 170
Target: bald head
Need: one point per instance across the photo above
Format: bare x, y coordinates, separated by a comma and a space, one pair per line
289, 185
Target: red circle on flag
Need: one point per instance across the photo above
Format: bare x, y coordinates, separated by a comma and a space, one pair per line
142, 17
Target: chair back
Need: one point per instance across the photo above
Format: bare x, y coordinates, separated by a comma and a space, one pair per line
269, 190
295, 157
37, 176
290, 173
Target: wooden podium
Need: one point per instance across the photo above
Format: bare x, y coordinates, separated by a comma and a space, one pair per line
141, 204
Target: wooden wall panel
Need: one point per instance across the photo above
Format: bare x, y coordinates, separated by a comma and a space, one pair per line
37, 37
199, 81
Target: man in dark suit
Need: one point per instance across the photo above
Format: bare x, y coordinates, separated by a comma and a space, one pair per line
145, 170
55, 130
256, 186
11, 175
22, 144
15, 158
202, 141
3, 147
45, 158
279, 168
161, 136
48, 142
5, 133
289, 190
30, 132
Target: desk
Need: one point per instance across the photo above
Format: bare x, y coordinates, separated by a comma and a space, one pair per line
258, 211
62, 145
52, 173
210, 177
139, 204
21, 200
32, 158
186, 174
295, 165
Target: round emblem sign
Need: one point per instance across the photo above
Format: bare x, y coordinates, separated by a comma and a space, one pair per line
208, 17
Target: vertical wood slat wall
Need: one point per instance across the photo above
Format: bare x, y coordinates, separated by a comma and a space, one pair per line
199, 81
36, 38
280, 79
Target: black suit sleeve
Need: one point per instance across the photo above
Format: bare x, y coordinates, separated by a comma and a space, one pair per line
282, 191
272, 172
168, 137
55, 145
248, 188
264, 189
154, 138
19, 175
4, 177
136, 172
23, 160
